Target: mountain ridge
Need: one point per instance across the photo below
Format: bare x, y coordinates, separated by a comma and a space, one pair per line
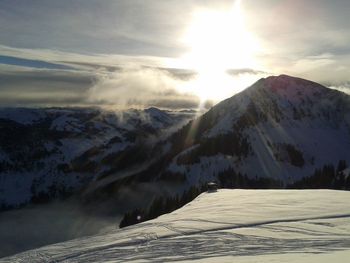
51, 153
281, 138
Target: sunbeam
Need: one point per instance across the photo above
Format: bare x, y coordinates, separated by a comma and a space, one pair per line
219, 40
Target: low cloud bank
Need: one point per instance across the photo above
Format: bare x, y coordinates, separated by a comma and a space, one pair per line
37, 226
126, 87
141, 87
345, 87
115, 86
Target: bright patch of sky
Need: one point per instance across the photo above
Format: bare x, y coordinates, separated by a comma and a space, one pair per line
96, 40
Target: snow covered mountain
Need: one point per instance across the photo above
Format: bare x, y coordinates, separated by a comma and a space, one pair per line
225, 226
281, 129
282, 132
48, 153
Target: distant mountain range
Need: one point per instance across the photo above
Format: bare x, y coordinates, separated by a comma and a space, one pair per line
282, 132
52, 153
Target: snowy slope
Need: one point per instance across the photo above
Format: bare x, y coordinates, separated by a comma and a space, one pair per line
225, 226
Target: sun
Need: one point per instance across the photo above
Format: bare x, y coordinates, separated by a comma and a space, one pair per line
218, 40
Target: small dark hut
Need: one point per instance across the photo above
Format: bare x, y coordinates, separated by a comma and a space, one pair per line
212, 187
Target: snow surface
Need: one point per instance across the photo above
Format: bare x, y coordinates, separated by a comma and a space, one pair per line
224, 226
67, 123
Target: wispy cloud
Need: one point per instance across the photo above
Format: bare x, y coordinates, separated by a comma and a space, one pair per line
124, 87
85, 60
343, 87
8, 60
235, 72
141, 87
41, 87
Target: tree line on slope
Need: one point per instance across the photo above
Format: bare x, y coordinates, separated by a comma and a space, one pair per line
161, 206
327, 178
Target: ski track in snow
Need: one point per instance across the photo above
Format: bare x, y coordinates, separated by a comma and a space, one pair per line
290, 224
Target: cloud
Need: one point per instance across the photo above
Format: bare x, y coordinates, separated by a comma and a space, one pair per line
344, 87
41, 87
107, 81
9, 60
36, 78
123, 88
84, 61
124, 27
49, 223
323, 68
141, 87
235, 72
180, 74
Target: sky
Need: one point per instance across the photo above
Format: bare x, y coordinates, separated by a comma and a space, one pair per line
166, 53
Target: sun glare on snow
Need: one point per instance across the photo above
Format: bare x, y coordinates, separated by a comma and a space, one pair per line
218, 40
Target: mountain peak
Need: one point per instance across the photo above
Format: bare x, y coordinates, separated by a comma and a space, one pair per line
290, 82
287, 87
